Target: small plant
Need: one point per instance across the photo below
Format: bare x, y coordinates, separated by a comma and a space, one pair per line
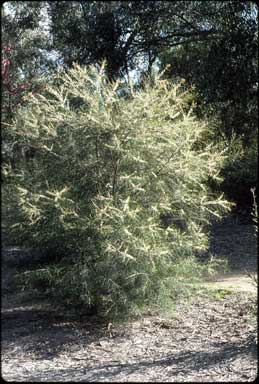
255, 210
253, 277
219, 293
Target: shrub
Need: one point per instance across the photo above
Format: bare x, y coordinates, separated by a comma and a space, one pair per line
107, 168
254, 277
255, 210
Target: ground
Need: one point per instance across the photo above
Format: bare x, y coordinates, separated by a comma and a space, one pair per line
211, 339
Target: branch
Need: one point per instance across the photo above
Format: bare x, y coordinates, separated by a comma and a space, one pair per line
188, 34
128, 42
165, 44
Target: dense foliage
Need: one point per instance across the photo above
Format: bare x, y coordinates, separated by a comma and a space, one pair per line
25, 44
25, 63
117, 189
224, 69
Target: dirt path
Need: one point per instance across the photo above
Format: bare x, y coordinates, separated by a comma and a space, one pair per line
234, 282
207, 340
235, 242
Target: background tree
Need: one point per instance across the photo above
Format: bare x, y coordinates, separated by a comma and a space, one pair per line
123, 32
25, 47
224, 69
26, 63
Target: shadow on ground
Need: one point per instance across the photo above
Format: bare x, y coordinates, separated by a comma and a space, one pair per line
46, 333
183, 363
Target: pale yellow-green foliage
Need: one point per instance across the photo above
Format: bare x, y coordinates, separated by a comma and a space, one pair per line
107, 167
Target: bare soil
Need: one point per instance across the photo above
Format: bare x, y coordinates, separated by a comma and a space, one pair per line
210, 339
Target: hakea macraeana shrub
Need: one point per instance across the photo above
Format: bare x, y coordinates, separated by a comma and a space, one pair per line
117, 187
